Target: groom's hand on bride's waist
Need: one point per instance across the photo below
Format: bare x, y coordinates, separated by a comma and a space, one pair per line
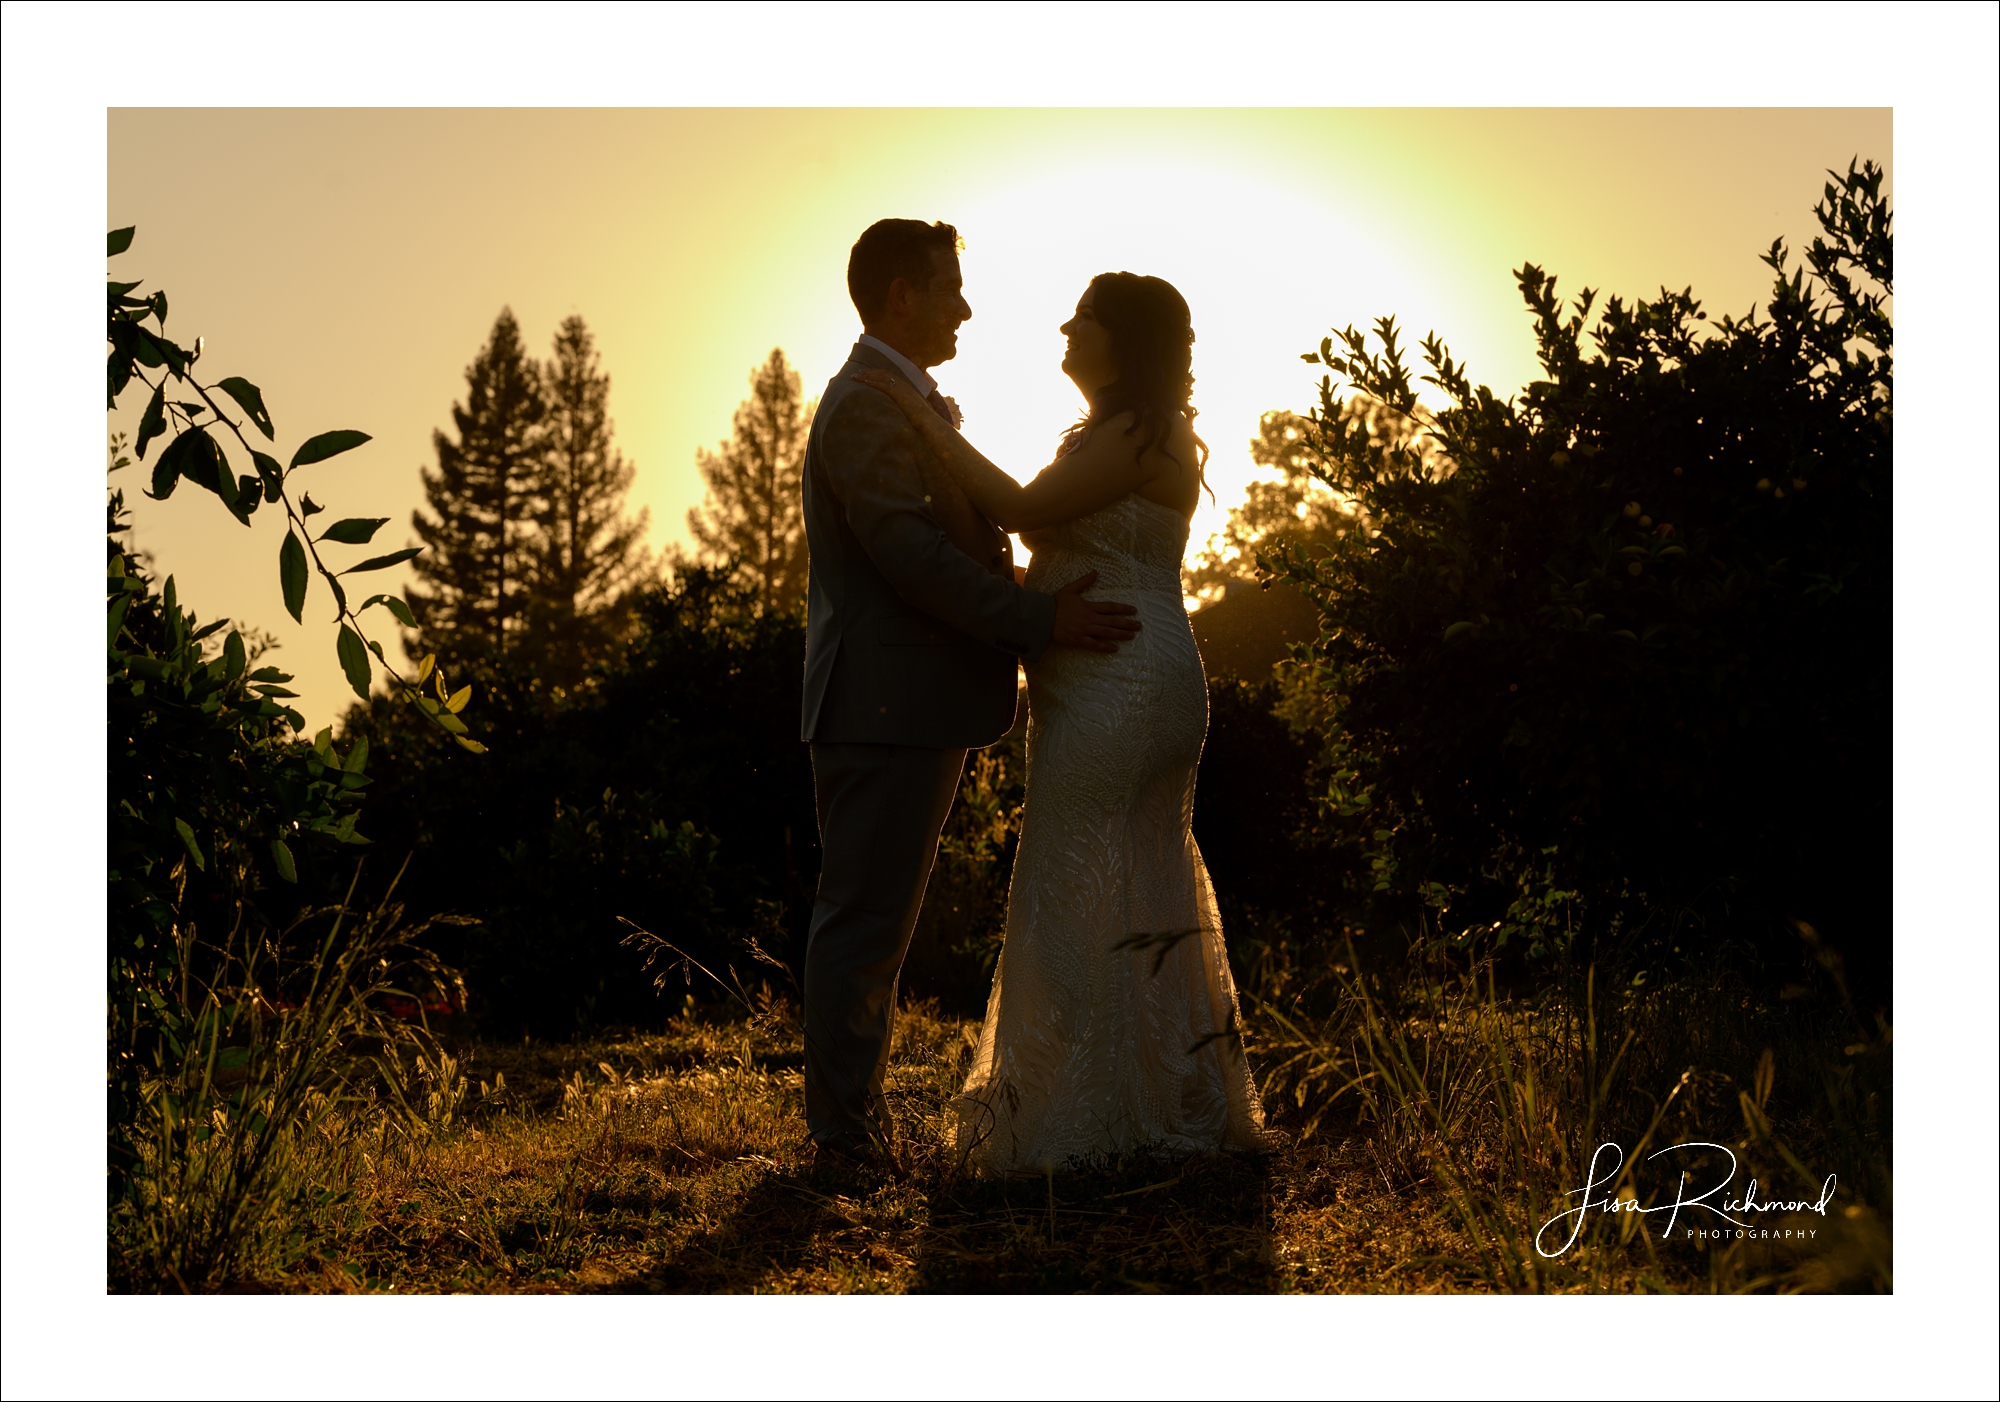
1081, 622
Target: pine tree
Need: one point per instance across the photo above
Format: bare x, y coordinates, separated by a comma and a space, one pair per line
482, 496
753, 513
587, 550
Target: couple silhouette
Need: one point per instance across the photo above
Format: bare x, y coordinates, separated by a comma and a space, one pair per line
1112, 1023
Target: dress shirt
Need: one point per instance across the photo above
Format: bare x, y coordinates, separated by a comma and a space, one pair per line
924, 383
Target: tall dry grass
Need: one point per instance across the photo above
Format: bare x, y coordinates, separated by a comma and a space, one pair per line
1499, 1107
1431, 1125
267, 1079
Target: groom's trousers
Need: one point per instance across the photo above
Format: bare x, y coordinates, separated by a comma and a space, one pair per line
881, 808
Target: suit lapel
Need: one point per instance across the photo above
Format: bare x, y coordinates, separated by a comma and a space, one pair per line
962, 523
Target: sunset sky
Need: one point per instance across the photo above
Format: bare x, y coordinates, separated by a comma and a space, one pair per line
366, 271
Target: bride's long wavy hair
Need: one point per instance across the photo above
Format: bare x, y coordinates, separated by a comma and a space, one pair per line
1152, 339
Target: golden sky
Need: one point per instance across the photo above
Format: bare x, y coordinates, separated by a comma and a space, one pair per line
366, 270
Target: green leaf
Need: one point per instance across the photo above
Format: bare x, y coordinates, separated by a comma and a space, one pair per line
187, 456
234, 658
152, 423
354, 661
322, 446
251, 399
395, 605
282, 855
459, 698
194, 848
117, 374
309, 507
292, 576
273, 475
1458, 628
198, 459
355, 530
249, 492
166, 476
357, 756
119, 240
117, 618
472, 745
225, 487
162, 351
382, 562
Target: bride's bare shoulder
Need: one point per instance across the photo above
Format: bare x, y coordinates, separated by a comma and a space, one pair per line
1175, 447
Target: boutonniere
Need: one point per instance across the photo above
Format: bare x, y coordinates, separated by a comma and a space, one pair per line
956, 419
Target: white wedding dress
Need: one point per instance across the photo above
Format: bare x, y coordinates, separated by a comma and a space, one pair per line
1112, 1024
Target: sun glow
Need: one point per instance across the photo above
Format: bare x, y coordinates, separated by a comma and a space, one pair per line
369, 271
1023, 278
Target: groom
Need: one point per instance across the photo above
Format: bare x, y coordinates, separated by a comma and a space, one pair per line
914, 619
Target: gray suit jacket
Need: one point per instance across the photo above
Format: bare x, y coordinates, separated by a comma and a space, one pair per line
913, 619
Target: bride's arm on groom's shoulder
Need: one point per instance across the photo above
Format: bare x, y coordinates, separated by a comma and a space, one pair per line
872, 461
1088, 479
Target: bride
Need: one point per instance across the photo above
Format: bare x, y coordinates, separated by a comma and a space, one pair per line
1112, 1024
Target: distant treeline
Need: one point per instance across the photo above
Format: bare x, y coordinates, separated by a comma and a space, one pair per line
1593, 673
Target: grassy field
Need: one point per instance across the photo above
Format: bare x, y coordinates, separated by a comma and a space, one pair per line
679, 1162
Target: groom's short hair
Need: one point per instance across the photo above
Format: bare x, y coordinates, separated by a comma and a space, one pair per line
889, 249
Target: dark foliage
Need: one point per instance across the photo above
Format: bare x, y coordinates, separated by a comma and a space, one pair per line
1623, 651
1255, 821
215, 803
210, 801
670, 789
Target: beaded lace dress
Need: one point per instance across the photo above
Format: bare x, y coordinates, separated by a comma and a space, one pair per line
1112, 1022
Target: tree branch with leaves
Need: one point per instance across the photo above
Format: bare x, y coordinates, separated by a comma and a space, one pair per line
195, 453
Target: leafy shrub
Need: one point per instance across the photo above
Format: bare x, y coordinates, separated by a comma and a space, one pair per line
232, 1031
669, 789
1277, 881
1619, 644
209, 798
229, 1022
